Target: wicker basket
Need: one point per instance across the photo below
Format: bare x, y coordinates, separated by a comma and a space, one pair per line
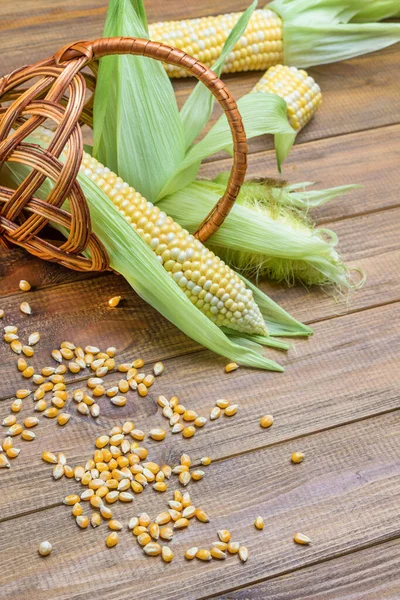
57, 89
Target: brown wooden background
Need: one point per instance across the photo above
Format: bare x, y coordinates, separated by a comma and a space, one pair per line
337, 401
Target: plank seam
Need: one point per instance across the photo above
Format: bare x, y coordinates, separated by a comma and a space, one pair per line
237, 455
372, 543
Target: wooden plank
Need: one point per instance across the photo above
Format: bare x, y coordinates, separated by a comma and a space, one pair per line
316, 161
371, 574
331, 163
50, 27
348, 371
344, 496
135, 329
350, 90
359, 244
17, 264
349, 97
76, 308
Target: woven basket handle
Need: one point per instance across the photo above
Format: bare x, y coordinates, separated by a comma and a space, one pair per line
158, 51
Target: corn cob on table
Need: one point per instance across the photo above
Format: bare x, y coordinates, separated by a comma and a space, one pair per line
303, 477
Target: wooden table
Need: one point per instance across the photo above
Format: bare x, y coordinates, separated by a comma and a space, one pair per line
338, 400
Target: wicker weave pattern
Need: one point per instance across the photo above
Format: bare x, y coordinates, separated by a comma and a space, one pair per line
58, 92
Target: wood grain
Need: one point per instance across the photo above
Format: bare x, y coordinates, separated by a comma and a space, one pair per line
339, 376
350, 89
371, 574
337, 400
344, 496
134, 328
351, 159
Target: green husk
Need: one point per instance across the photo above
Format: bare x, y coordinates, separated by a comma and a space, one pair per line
261, 113
268, 231
138, 131
197, 109
131, 257
324, 31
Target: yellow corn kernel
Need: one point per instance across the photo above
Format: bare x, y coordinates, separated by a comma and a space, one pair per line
231, 410
259, 523
297, 457
266, 421
203, 554
95, 520
24, 285
224, 535
301, 93
157, 434
300, 538
112, 540
30, 422
63, 418
114, 301
188, 432
167, 554
259, 47
49, 457
28, 372
190, 553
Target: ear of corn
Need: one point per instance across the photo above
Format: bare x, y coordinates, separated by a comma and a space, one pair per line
260, 46
268, 231
300, 92
198, 107
292, 32
196, 291
136, 128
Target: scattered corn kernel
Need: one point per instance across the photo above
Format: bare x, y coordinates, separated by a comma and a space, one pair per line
231, 410
297, 457
24, 285
49, 457
243, 554
45, 548
112, 540
224, 535
158, 369
231, 367
301, 539
157, 434
63, 418
203, 554
217, 553
25, 308
113, 302
191, 553
266, 421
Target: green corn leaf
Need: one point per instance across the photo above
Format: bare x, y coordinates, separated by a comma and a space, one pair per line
138, 131
325, 31
261, 113
295, 195
263, 238
131, 257
198, 107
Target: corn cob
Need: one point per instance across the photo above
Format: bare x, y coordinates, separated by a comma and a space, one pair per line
205, 279
300, 91
259, 48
